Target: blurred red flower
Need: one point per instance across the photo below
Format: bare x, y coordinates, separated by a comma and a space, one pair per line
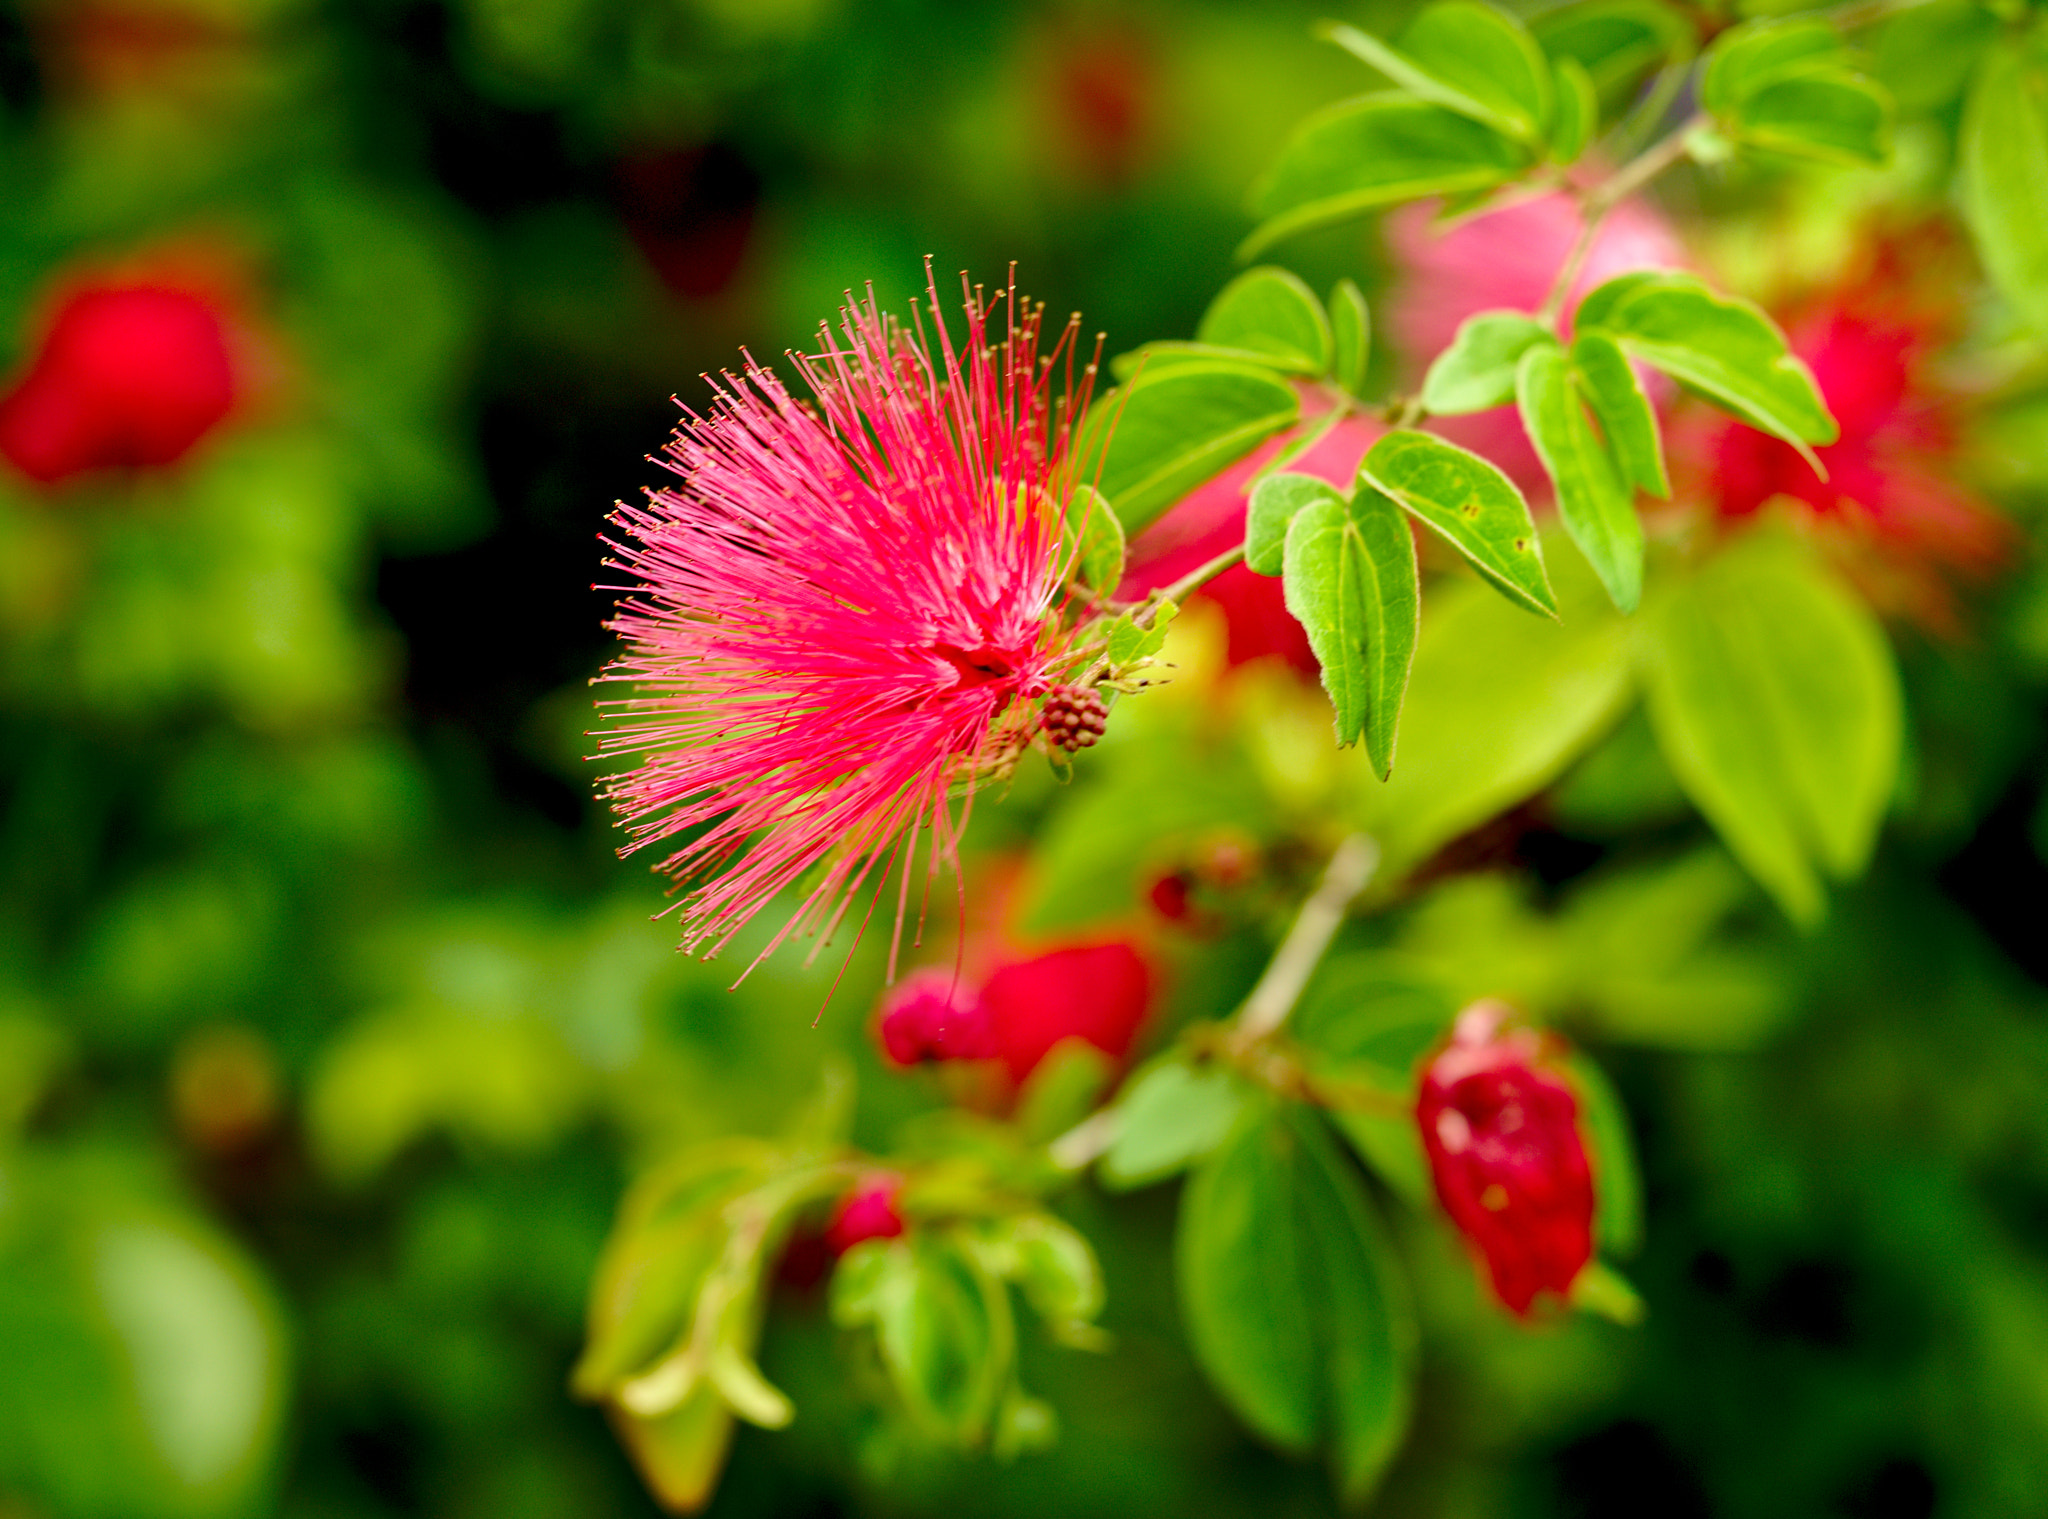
933, 1014
1100, 993
1500, 1127
1097, 992
127, 376
868, 1212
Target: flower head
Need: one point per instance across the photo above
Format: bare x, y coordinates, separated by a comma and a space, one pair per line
846, 615
128, 375
1500, 1127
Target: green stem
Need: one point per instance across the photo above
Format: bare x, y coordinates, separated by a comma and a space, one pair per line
1603, 198
1266, 1009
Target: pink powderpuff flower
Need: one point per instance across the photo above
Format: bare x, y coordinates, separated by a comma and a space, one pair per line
845, 616
1507, 260
1500, 1126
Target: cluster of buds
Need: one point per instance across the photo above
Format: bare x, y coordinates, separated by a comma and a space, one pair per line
1074, 717
1500, 1125
1099, 993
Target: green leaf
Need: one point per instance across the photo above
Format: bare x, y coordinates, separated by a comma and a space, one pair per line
1926, 54
1617, 1181
1469, 502
1057, 1269
1367, 1023
1351, 580
1372, 151
1776, 702
1274, 502
1096, 538
680, 1454
1602, 299
1591, 500
1294, 1303
1832, 115
1627, 419
1477, 372
943, 1324
1749, 58
1129, 643
1369, 1340
1238, 1253
1468, 58
1615, 41
1498, 706
1155, 358
1728, 351
1578, 112
2003, 161
1168, 431
1171, 1117
1351, 329
1270, 311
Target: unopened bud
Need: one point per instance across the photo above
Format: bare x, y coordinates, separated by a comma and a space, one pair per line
868, 1212
933, 1015
1500, 1126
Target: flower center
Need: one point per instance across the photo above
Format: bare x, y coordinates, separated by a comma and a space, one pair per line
976, 667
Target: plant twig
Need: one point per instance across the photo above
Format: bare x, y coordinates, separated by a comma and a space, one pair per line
1603, 198
1266, 1009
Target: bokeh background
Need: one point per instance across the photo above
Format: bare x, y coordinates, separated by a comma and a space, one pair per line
331, 1027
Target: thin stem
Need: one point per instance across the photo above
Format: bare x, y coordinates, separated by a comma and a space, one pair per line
1266, 1009
1086, 1142
1193, 580
1603, 198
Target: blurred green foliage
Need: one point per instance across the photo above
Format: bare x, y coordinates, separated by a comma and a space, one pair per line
331, 1031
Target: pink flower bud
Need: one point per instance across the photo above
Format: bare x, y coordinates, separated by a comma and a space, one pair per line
1097, 992
1500, 1127
933, 1015
869, 1212
130, 376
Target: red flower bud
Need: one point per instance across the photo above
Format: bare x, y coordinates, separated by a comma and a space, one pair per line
1502, 1135
1096, 992
868, 1212
127, 376
933, 1015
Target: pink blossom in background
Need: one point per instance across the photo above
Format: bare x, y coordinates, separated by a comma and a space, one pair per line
128, 376
837, 616
1505, 260
1211, 520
